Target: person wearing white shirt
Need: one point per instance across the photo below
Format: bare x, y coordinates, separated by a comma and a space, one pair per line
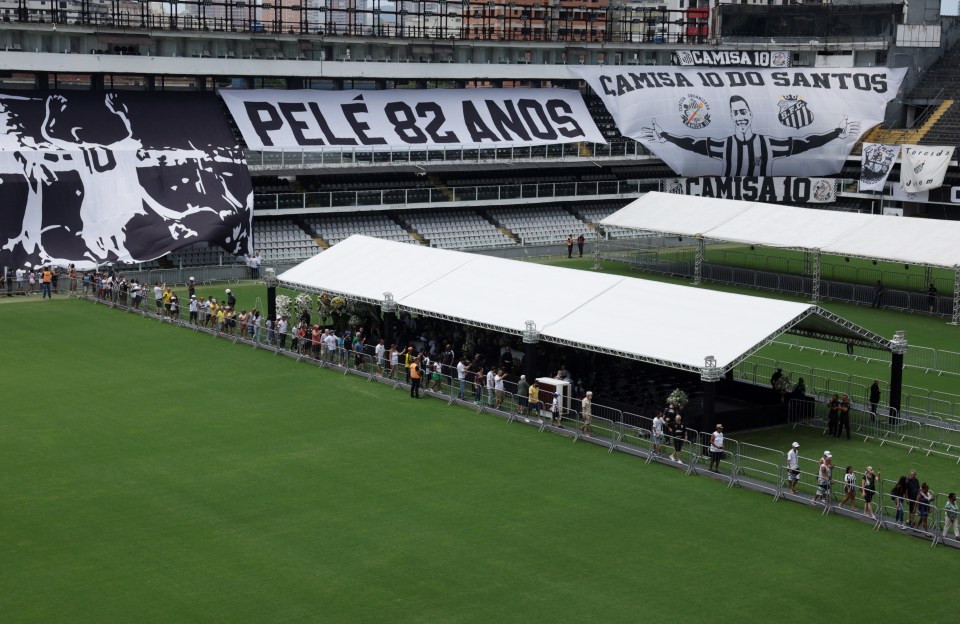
331, 341
657, 433
716, 448
193, 309
498, 387
555, 410
271, 335
256, 322
793, 467
380, 352
462, 377
490, 385
394, 361
282, 326
20, 275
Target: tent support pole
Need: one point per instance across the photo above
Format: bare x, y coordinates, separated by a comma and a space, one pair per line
955, 320
898, 346
531, 338
709, 376
271, 281
816, 276
698, 261
598, 249
388, 308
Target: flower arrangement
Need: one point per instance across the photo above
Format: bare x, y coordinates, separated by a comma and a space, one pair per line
678, 397
323, 302
283, 305
337, 303
303, 303
354, 321
784, 385
469, 344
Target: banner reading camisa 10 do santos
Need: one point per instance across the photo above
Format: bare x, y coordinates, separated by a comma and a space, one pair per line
737, 122
403, 118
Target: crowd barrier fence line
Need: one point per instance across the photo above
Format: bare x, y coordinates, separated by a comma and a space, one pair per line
743, 464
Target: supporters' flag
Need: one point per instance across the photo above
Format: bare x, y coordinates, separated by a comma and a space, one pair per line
876, 162
923, 167
735, 122
95, 177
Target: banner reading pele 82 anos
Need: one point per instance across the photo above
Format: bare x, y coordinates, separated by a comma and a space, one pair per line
389, 119
737, 122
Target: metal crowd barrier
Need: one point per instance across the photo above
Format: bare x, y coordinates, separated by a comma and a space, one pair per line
916, 401
743, 464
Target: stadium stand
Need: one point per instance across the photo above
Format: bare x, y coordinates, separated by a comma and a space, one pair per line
201, 254
456, 230
282, 239
334, 228
594, 213
541, 225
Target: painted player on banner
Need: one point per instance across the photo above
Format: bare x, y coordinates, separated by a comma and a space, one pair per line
746, 153
92, 191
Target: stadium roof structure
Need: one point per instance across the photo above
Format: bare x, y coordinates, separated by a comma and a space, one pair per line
875, 237
655, 322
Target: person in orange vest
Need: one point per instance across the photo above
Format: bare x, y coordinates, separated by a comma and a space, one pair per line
570, 246
415, 374
46, 279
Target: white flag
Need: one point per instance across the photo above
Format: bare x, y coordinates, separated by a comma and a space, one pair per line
876, 162
922, 167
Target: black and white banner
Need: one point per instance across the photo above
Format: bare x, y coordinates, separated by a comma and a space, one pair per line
876, 162
767, 190
401, 118
94, 177
726, 58
923, 167
946, 195
754, 123
897, 193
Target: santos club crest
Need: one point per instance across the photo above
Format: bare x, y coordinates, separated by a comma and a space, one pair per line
794, 112
694, 111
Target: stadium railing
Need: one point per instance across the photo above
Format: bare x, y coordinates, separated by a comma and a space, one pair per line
743, 464
300, 159
916, 401
906, 292
886, 427
336, 200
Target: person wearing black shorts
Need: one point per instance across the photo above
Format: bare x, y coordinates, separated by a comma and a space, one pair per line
679, 433
716, 449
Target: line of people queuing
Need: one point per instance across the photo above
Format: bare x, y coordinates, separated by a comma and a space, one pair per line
43, 279
421, 371
911, 499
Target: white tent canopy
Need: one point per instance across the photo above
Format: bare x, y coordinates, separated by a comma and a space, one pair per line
671, 325
879, 237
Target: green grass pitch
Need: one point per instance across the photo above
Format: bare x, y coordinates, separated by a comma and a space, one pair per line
150, 474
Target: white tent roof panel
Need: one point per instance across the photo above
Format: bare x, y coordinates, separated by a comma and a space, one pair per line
647, 320
367, 271
908, 240
782, 226
897, 239
707, 213
676, 323
507, 293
